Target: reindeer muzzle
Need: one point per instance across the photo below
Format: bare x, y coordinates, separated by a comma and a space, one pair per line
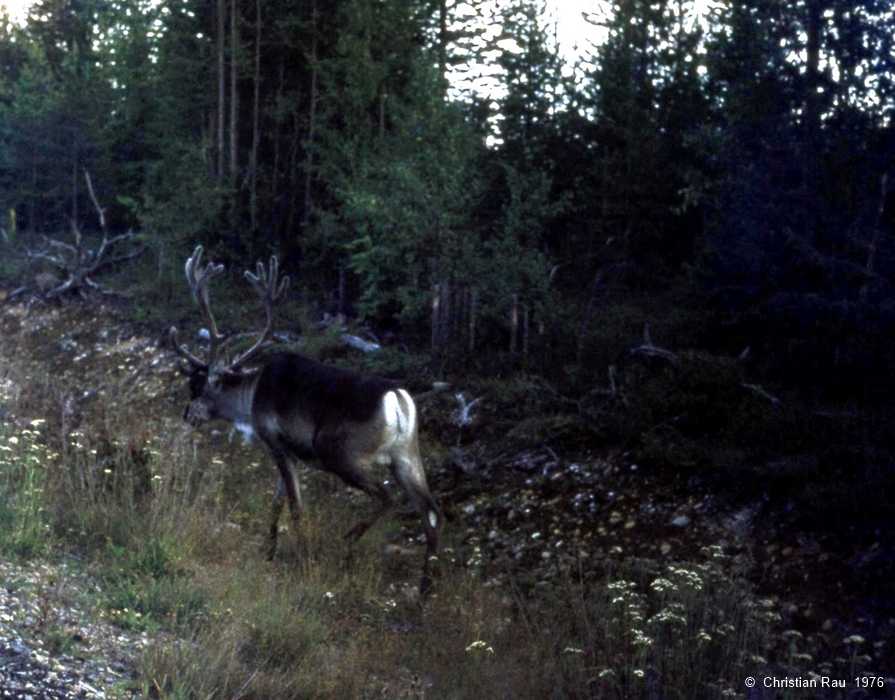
196, 413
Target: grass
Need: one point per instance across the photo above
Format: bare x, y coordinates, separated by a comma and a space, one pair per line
695, 630
24, 464
173, 523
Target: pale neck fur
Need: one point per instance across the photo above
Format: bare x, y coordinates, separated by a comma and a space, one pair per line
234, 402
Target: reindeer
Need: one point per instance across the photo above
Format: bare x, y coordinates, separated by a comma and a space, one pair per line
305, 411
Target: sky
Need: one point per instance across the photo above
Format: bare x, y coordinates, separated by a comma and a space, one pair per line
571, 28
568, 12
573, 32
16, 7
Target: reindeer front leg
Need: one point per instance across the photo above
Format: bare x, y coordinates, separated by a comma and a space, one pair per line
287, 489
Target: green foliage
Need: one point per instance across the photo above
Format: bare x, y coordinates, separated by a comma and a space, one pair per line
678, 412
180, 201
332, 138
513, 261
142, 586
346, 152
690, 629
532, 67
25, 465
404, 216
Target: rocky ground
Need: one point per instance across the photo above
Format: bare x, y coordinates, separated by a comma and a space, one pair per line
547, 515
54, 644
54, 640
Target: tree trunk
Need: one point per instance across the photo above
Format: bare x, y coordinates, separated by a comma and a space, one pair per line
526, 336
309, 152
436, 325
31, 222
275, 174
876, 235
256, 125
312, 126
514, 322
74, 183
473, 318
442, 47
446, 316
812, 142
234, 103
286, 241
219, 141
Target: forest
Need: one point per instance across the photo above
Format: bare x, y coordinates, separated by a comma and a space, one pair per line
721, 176
674, 245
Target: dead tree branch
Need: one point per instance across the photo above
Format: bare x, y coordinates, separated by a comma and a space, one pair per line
77, 264
758, 391
647, 349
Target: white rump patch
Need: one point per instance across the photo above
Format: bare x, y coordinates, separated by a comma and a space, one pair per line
399, 414
401, 421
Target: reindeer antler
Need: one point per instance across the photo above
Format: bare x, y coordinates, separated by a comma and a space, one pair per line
270, 287
198, 279
267, 283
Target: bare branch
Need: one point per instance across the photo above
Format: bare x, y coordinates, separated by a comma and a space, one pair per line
650, 350
77, 264
99, 210
612, 390
758, 391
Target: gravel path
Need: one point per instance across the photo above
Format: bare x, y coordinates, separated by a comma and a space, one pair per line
54, 645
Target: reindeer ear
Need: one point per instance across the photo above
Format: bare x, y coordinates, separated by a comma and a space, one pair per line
189, 370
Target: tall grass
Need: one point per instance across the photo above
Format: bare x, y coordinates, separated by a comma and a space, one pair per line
24, 465
173, 522
693, 631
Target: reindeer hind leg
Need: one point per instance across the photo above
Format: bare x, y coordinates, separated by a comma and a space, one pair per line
383, 503
408, 472
279, 500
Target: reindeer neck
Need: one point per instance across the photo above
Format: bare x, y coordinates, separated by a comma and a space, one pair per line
235, 400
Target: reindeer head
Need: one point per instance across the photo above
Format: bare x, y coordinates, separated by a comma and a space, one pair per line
212, 382
197, 410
